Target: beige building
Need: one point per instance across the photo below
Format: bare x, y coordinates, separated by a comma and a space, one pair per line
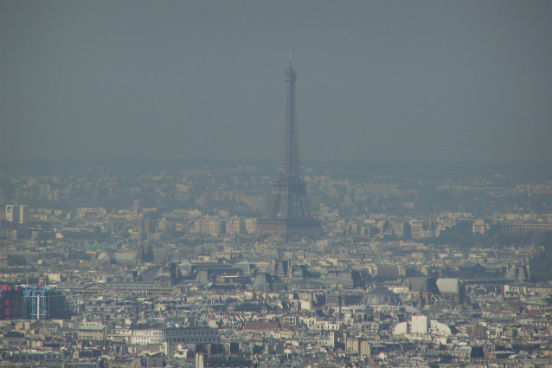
91, 331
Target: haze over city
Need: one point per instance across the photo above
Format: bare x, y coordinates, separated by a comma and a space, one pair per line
379, 80
275, 184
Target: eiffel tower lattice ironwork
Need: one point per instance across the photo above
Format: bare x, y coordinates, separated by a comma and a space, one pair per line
288, 213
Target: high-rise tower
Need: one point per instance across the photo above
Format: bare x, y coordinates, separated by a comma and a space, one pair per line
288, 212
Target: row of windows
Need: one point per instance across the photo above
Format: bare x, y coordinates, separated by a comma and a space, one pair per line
191, 333
194, 340
148, 333
148, 340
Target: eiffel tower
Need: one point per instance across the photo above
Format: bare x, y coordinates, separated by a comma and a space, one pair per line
288, 214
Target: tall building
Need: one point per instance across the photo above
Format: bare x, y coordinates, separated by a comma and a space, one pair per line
14, 213
288, 214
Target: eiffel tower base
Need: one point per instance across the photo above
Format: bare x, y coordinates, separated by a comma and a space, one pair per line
290, 230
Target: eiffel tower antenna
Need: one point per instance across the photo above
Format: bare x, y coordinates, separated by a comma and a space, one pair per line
290, 57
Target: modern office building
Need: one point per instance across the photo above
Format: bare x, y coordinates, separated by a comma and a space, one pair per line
11, 302
30, 302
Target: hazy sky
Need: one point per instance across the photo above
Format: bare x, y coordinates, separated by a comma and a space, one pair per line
377, 80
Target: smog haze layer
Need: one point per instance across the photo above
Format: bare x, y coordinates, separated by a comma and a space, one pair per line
377, 81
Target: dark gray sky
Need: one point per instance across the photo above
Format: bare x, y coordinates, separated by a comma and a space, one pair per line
377, 80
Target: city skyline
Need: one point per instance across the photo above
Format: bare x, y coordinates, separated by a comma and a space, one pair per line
169, 196
381, 81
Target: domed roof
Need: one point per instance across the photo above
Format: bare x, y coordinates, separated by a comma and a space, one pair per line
381, 295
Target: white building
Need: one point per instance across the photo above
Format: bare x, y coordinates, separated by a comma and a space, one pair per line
421, 328
147, 336
14, 213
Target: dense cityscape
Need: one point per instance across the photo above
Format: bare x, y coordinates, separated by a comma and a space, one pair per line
161, 265
146, 221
